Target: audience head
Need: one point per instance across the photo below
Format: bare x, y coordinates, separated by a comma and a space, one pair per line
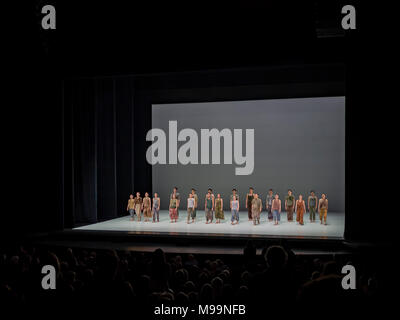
206, 294
330, 267
276, 257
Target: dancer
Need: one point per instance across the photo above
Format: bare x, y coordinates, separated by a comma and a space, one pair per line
249, 199
178, 199
300, 209
256, 207
312, 205
289, 205
156, 207
209, 191
323, 208
190, 207
146, 207
131, 207
138, 205
276, 209
173, 204
209, 207
234, 194
219, 209
268, 204
196, 201
235, 210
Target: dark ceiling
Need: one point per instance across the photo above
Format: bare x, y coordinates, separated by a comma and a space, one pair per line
114, 37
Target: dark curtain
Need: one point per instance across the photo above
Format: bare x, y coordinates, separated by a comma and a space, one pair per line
99, 127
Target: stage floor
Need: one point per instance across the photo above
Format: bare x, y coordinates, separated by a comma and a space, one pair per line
333, 230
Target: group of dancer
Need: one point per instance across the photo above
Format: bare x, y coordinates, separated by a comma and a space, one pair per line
213, 207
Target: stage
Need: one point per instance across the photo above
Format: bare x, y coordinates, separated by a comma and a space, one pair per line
333, 230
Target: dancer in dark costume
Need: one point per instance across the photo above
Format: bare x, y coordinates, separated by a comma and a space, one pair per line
249, 199
289, 205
